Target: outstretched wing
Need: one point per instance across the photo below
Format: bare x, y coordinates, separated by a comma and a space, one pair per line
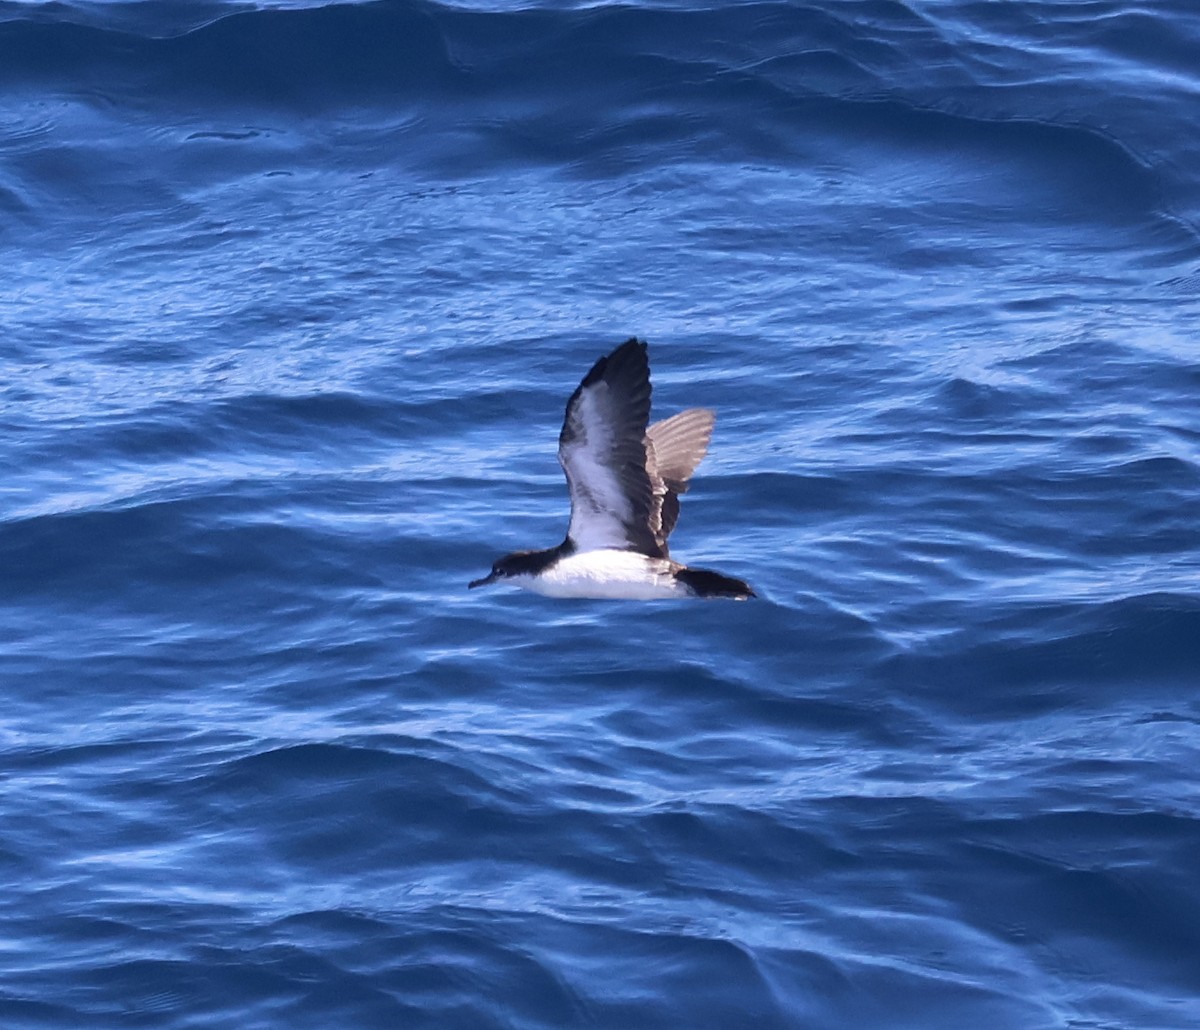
602, 450
674, 447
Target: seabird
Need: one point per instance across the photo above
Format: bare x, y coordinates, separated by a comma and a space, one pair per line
624, 480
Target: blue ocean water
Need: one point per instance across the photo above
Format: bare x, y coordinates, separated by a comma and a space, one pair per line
294, 295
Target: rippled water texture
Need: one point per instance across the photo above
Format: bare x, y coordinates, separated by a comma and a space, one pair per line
293, 298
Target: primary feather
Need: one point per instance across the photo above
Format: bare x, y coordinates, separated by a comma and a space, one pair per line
674, 447
603, 453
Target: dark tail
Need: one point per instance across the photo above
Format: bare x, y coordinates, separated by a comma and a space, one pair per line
704, 583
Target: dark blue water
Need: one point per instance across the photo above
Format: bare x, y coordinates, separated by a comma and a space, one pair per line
293, 297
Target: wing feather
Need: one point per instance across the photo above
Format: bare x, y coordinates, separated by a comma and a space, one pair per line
674, 447
602, 450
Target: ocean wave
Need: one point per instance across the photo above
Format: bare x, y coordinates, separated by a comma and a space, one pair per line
597, 83
296, 292
1034, 658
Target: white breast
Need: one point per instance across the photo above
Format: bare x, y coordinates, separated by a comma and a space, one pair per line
619, 575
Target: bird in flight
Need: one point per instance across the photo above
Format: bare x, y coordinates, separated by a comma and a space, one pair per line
624, 480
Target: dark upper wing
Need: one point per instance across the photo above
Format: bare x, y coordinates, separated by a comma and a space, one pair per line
674, 447
603, 452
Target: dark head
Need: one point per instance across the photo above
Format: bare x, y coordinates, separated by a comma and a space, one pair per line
519, 563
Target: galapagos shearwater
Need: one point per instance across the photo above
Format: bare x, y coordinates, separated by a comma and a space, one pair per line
624, 480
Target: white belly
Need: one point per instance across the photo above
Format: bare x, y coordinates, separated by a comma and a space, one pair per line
618, 575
